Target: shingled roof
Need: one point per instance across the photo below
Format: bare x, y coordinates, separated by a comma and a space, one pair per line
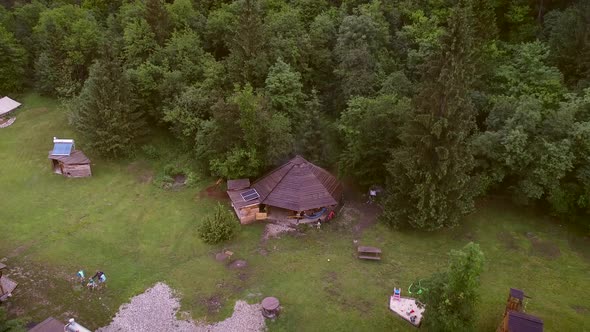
75, 157
521, 322
299, 185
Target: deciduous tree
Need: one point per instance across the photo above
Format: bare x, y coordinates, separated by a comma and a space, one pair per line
452, 295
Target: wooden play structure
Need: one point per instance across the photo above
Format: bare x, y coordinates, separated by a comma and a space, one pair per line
407, 308
7, 285
296, 190
369, 253
515, 319
68, 161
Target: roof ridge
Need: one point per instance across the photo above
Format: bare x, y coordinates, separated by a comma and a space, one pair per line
319, 180
269, 174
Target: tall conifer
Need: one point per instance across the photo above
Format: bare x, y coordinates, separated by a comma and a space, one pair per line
430, 182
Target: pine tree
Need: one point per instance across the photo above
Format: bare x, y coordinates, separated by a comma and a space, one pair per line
430, 182
104, 113
312, 141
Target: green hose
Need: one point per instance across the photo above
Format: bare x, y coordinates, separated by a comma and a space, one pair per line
420, 288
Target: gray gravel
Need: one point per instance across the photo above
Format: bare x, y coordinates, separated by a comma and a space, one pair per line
155, 310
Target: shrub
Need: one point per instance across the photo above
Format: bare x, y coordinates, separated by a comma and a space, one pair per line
151, 152
172, 170
452, 295
10, 325
218, 227
163, 181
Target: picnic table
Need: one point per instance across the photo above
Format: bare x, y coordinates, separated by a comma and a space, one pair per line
370, 253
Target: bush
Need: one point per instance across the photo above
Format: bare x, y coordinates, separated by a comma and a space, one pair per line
452, 295
151, 152
166, 178
163, 181
172, 170
10, 325
219, 227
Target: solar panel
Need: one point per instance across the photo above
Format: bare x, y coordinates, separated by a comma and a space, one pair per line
62, 149
250, 195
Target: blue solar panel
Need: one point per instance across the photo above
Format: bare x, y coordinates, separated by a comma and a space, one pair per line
249, 195
62, 149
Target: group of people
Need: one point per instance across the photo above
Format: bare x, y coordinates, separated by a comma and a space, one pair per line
329, 217
97, 280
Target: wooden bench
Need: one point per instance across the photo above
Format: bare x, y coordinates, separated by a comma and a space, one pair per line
370, 253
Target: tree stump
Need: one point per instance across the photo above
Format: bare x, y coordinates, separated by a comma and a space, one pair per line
270, 307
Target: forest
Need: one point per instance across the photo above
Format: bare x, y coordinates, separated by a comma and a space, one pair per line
440, 102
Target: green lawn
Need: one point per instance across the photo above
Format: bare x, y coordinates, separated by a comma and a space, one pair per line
138, 234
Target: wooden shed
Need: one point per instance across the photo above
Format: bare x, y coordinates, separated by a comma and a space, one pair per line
68, 161
298, 187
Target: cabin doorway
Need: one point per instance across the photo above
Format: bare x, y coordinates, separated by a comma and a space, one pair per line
57, 167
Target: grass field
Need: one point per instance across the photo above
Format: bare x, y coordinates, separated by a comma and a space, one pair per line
138, 234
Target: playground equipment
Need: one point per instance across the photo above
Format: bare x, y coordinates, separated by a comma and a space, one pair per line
407, 308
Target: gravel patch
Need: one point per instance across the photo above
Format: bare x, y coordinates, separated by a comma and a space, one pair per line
246, 318
155, 310
274, 230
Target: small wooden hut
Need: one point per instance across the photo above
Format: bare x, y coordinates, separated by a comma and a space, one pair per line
297, 188
68, 161
515, 320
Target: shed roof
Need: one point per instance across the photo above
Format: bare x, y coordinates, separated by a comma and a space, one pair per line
299, 185
76, 157
238, 184
7, 105
49, 325
521, 322
237, 199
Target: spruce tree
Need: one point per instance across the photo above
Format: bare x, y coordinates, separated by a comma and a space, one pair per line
313, 140
430, 183
104, 112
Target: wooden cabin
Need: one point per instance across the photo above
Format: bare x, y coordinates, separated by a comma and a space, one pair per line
515, 320
297, 188
68, 161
